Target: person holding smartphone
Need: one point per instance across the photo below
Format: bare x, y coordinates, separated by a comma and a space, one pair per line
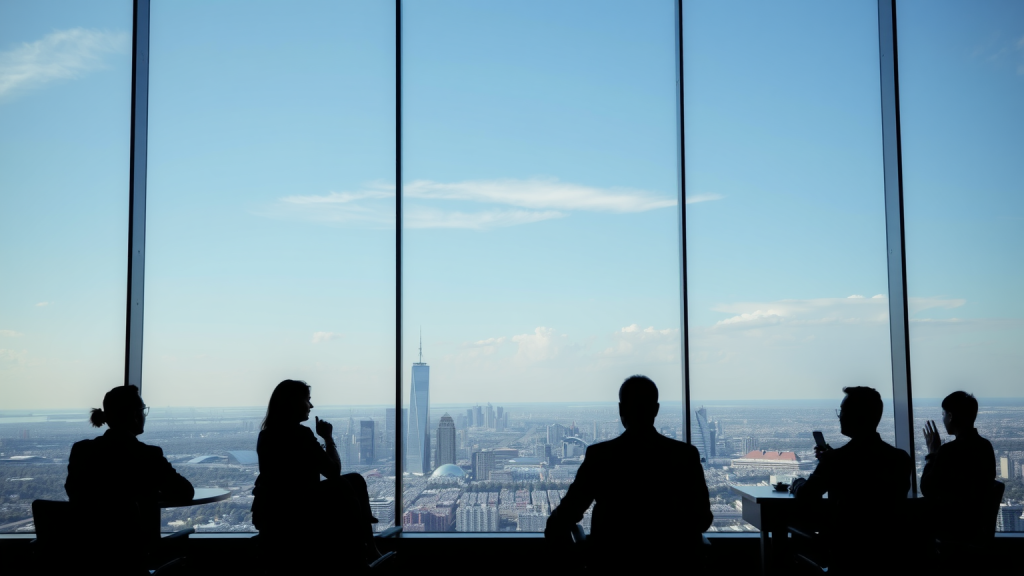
867, 481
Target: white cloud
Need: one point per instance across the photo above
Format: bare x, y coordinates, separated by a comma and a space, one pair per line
60, 55
41, 304
696, 198
340, 197
538, 194
427, 203
10, 333
852, 309
325, 336
489, 341
418, 217
918, 304
13, 357
537, 346
644, 345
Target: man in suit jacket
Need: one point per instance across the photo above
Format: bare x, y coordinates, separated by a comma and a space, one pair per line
867, 481
957, 483
651, 500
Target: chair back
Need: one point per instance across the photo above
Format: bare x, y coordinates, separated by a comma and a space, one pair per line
997, 495
54, 521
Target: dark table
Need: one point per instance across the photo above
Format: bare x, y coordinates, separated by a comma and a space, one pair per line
770, 512
202, 496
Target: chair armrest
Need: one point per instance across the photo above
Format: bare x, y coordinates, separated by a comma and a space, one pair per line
384, 557
180, 534
392, 532
704, 540
802, 532
578, 535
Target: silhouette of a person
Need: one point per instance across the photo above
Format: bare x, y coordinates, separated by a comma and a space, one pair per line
627, 479
867, 481
115, 476
957, 480
292, 506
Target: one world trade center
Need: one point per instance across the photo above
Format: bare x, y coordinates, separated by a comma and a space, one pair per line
418, 442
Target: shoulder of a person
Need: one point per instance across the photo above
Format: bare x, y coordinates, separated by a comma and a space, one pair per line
151, 451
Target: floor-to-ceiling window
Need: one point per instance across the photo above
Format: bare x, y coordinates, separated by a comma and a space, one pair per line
541, 246
786, 246
65, 110
961, 95
270, 241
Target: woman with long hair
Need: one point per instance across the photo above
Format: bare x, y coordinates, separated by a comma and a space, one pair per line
115, 476
291, 505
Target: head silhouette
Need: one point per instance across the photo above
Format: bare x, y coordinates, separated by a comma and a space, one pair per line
959, 410
123, 411
861, 411
638, 402
289, 404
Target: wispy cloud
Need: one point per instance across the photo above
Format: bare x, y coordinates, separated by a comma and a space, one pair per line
850, 310
696, 198
10, 333
541, 194
918, 304
60, 55
420, 217
41, 304
325, 336
430, 204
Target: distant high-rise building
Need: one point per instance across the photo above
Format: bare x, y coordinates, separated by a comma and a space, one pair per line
418, 445
478, 416
750, 443
597, 431
1004, 467
366, 437
555, 434
483, 464
469, 417
1008, 519
489, 415
445, 441
706, 440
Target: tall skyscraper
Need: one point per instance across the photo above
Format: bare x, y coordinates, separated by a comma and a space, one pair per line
706, 441
389, 431
366, 437
445, 441
418, 444
478, 416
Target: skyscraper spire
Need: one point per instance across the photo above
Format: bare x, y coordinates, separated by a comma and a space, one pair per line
421, 345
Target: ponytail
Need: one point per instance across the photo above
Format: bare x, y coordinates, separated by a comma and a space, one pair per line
97, 417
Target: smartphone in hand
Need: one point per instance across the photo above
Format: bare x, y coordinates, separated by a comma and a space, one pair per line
819, 439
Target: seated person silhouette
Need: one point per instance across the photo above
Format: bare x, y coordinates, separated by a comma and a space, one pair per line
115, 477
867, 482
958, 478
650, 499
329, 520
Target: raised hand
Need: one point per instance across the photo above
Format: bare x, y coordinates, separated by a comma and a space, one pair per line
931, 437
324, 429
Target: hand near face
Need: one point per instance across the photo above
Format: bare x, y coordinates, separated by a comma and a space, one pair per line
931, 437
324, 429
818, 450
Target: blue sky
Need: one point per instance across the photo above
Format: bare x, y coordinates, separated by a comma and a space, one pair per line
541, 229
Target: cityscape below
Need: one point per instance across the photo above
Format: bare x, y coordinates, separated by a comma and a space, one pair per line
482, 467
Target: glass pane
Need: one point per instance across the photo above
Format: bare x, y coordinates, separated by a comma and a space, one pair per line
541, 255
961, 88
270, 248
65, 113
785, 229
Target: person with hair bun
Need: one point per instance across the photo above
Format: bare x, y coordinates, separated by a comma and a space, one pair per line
115, 477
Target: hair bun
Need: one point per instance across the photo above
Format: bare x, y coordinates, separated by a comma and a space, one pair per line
97, 417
